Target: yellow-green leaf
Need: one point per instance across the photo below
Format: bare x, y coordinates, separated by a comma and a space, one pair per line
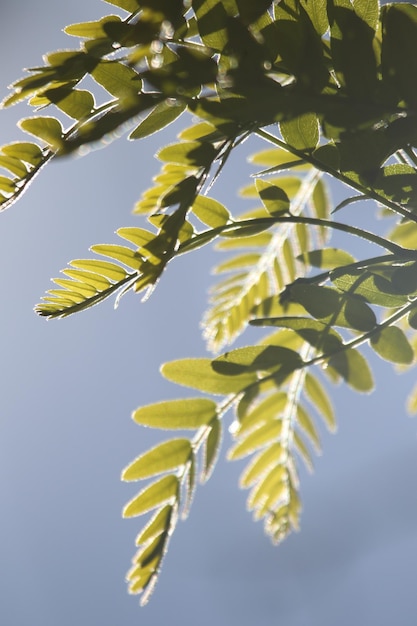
199, 374
392, 344
157, 493
166, 456
188, 413
210, 211
49, 129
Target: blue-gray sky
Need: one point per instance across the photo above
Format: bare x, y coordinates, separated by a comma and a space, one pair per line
68, 389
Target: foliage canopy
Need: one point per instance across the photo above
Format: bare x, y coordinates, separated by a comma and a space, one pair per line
330, 87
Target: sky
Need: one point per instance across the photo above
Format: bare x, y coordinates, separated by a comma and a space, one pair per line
69, 387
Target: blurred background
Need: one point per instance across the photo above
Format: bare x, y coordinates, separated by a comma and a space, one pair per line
68, 388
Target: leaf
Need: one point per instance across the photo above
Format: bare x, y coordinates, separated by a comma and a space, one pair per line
261, 464
255, 359
48, 129
327, 258
273, 198
307, 424
76, 103
255, 439
163, 490
125, 255
188, 413
103, 268
317, 395
25, 151
210, 211
118, 79
263, 411
191, 153
164, 457
302, 132
373, 288
212, 23
392, 344
199, 374
211, 449
91, 30
161, 116
354, 369
156, 525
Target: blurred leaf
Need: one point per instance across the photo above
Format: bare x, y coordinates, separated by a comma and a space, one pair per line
163, 490
162, 115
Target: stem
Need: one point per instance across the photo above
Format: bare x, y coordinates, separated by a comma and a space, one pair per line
295, 219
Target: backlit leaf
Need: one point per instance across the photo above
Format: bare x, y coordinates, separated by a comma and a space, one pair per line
48, 129
392, 344
188, 413
163, 490
163, 458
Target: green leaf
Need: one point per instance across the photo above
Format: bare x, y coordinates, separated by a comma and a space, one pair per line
199, 374
255, 359
265, 410
354, 369
161, 116
212, 23
161, 491
317, 395
48, 129
102, 268
76, 103
392, 344
236, 262
91, 30
303, 450
317, 12
327, 258
210, 211
255, 439
162, 458
211, 449
302, 132
273, 198
116, 78
188, 413
25, 151
157, 525
191, 153
125, 255
307, 424
13, 165
261, 464
373, 288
